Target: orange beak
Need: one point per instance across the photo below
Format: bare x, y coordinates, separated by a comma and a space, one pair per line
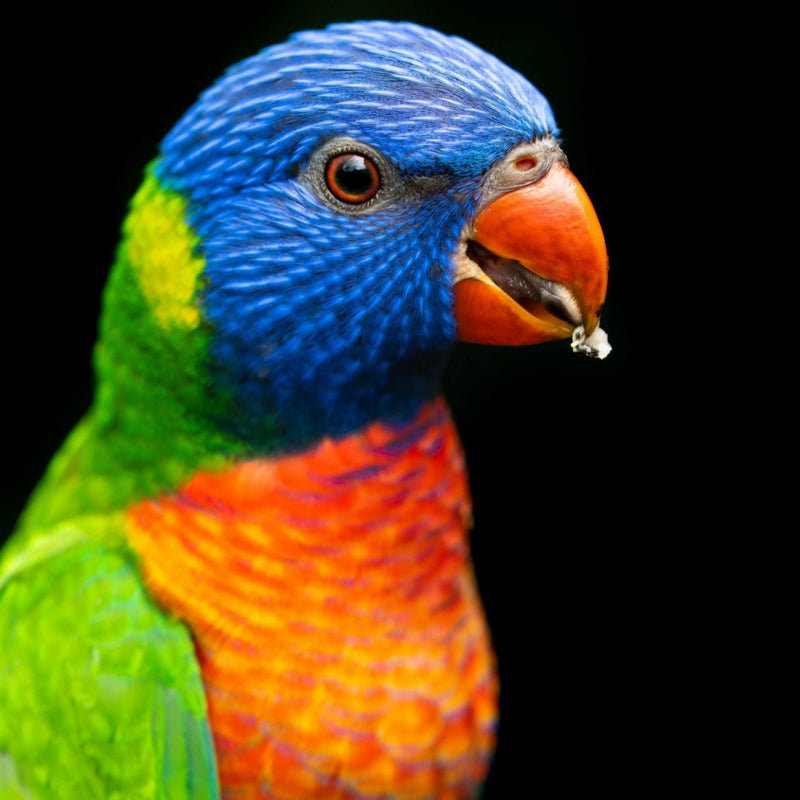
534, 268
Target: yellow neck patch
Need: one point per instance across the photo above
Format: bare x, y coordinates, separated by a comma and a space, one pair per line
161, 251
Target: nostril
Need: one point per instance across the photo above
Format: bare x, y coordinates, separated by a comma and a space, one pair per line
525, 164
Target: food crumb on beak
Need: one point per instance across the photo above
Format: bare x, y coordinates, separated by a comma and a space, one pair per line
595, 346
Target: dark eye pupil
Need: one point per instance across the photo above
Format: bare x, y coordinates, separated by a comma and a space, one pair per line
354, 176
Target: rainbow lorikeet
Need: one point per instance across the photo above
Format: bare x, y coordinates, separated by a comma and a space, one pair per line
246, 572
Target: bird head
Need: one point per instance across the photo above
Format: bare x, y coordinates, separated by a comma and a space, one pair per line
336, 211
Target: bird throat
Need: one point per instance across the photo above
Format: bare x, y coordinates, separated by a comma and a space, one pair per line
331, 597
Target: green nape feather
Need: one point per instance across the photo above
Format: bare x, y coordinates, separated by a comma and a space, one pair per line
152, 423
10, 782
101, 693
98, 687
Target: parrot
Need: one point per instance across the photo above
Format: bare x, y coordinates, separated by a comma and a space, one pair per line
246, 572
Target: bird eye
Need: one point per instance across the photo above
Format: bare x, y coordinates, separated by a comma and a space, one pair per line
352, 178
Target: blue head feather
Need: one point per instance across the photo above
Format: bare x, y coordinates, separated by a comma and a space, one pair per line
324, 321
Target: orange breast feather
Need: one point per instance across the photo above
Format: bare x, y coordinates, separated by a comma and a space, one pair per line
332, 600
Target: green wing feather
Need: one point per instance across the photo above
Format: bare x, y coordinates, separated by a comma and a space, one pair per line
100, 692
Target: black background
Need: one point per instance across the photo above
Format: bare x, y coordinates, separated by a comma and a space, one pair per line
578, 467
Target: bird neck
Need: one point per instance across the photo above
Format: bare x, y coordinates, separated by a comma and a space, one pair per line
169, 400
383, 500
